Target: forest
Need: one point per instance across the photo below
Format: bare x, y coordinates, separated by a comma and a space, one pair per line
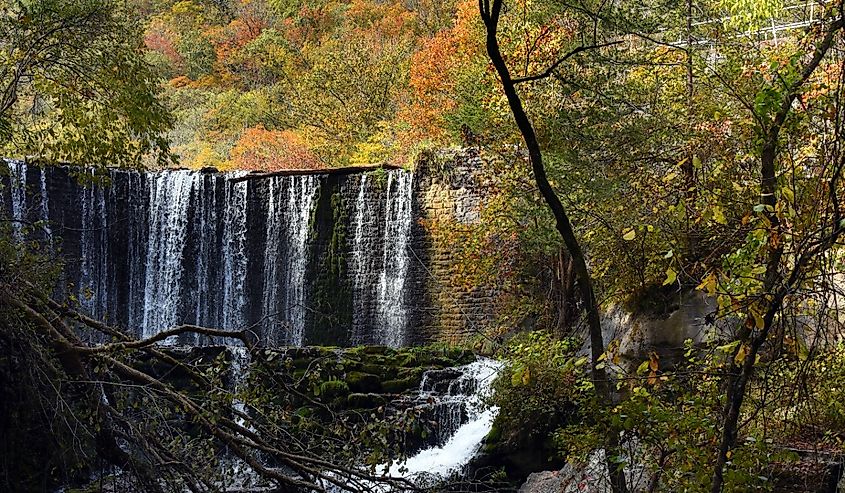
422, 245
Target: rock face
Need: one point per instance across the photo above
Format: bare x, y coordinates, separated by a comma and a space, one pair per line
640, 332
339, 258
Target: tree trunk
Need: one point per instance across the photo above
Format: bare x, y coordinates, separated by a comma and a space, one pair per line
490, 15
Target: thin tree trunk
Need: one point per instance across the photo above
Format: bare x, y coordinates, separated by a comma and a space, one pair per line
490, 15
775, 285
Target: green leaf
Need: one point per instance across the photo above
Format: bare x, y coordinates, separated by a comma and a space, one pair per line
629, 235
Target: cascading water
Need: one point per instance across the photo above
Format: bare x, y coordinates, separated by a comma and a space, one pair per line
300, 202
44, 208
391, 286
93, 282
136, 248
361, 259
170, 194
234, 254
380, 265
464, 396
17, 182
148, 251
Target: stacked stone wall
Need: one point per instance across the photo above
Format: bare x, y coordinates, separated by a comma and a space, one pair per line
452, 187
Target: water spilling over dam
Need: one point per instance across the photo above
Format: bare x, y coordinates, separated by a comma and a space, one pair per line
152, 250
336, 258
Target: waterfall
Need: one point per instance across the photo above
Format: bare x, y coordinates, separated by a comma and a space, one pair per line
361, 259
136, 244
17, 181
234, 254
466, 393
392, 314
150, 250
381, 227
205, 213
290, 202
92, 289
300, 201
44, 209
169, 198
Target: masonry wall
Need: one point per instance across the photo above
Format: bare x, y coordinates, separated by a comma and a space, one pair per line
451, 187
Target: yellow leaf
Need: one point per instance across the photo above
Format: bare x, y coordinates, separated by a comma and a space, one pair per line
741, 354
758, 319
719, 215
671, 276
709, 284
630, 235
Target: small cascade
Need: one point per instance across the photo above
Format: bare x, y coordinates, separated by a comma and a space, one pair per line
394, 272
466, 421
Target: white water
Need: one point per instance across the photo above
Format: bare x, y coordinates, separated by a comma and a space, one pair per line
170, 194
392, 311
158, 249
427, 466
360, 265
301, 197
17, 179
234, 254
93, 283
44, 209
136, 246
205, 312
464, 443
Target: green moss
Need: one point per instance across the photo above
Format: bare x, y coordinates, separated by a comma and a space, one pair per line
377, 350
415, 373
302, 363
385, 372
365, 401
351, 364
363, 382
304, 412
331, 291
398, 385
495, 434
333, 388
408, 360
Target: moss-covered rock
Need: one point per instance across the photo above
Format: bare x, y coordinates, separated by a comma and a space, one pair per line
333, 388
377, 350
384, 371
365, 401
399, 385
363, 382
